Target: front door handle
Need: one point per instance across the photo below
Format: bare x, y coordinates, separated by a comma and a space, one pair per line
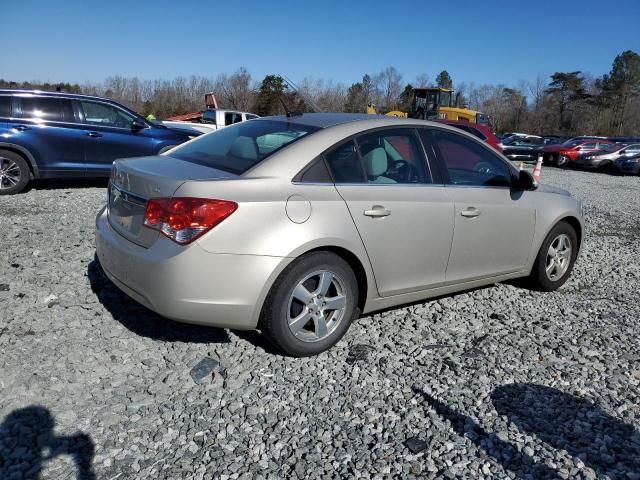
377, 211
470, 212
94, 134
21, 128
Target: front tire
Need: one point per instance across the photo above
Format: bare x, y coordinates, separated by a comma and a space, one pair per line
14, 173
562, 161
556, 258
311, 304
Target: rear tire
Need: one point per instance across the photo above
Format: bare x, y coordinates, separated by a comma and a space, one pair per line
311, 304
555, 259
14, 173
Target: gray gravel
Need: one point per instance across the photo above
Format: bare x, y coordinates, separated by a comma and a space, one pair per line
499, 382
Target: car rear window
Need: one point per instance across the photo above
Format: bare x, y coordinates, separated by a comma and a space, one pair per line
237, 148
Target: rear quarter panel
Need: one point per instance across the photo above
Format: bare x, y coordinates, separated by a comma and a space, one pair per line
270, 219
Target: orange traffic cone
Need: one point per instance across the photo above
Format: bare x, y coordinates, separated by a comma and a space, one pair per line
537, 171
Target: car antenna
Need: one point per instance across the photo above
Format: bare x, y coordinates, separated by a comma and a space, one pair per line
286, 110
305, 98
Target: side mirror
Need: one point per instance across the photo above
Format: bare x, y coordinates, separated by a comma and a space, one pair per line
138, 125
526, 181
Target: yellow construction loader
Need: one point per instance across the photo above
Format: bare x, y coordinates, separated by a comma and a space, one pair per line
436, 104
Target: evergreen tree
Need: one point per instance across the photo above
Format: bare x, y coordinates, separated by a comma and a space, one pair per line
271, 91
443, 80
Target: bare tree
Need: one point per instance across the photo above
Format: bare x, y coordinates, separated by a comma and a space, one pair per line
236, 91
389, 85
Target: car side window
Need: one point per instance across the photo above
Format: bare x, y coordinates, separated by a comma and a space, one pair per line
392, 156
344, 163
5, 106
586, 146
232, 117
315, 172
469, 163
105, 115
47, 108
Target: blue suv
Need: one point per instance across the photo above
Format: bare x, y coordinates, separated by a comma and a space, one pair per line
60, 135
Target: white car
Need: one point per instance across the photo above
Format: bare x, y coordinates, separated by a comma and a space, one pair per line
212, 119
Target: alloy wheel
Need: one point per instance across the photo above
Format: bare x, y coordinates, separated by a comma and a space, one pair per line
316, 306
558, 257
9, 173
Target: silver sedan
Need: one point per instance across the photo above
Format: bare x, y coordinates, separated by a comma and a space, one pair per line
297, 225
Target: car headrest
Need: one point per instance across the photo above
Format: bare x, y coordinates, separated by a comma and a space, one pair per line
375, 162
244, 147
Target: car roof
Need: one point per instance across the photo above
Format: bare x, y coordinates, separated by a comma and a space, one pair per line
324, 120
46, 93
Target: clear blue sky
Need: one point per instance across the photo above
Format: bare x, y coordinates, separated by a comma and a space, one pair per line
484, 41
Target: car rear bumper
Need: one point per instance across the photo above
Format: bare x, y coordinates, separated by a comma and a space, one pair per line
187, 283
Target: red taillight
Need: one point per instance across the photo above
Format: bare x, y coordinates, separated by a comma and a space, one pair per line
185, 219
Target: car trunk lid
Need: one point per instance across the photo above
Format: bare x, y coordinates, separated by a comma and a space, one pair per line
134, 181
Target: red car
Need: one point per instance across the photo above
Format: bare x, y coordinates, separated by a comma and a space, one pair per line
565, 154
483, 132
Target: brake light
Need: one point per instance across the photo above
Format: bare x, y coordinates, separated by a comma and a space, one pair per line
185, 219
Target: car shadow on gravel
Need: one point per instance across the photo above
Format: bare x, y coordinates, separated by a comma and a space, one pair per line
142, 321
68, 183
27, 441
563, 421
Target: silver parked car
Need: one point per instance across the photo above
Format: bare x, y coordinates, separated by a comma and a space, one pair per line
608, 156
296, 225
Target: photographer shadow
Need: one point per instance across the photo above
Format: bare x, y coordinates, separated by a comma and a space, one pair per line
27, 442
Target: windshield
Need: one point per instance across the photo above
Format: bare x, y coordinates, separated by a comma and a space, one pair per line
237, 148
610, 147
572, 143
518, 141
445, 99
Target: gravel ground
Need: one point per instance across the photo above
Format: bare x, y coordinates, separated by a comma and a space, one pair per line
499, 382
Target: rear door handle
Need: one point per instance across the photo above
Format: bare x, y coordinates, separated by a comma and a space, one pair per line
21, 128
377, 211
470, 212
94, 134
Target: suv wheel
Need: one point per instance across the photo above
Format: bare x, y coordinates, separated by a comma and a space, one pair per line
556, 258
311, 304
14, 173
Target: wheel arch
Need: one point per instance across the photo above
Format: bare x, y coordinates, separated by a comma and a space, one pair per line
356, 265
23, 152
362, 271
577, 226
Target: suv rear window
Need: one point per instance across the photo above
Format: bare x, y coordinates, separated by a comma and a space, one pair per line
5, 106
237, 148
47, 108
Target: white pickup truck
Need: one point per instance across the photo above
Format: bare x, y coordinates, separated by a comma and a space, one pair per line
210, 120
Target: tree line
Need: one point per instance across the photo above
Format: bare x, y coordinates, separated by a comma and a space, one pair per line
566, 103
